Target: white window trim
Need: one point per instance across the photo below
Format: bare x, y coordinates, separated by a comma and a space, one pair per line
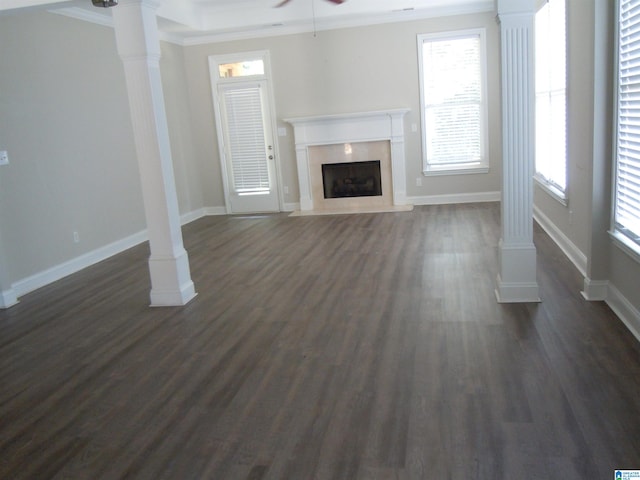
550, 189
620, 240
625, 244
453, 169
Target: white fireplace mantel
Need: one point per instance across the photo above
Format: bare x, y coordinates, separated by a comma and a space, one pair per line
351, 128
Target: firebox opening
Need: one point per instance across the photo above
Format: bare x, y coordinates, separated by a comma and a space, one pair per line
354, 179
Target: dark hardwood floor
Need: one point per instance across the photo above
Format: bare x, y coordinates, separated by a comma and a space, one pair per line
330, 347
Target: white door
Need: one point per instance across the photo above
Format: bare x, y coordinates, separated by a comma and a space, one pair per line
245, 132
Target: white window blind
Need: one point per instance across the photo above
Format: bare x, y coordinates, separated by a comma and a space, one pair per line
453, 100
551, 96
246, 140
627, 175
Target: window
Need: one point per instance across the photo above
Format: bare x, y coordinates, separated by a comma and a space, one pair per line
626, 214
551, 98
453, 99
241, 69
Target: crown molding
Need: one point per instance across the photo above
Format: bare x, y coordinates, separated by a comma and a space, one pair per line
273, 30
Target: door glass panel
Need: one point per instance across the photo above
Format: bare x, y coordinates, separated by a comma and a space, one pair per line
246, 140
241, 69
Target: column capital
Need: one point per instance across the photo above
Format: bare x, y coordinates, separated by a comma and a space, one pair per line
136, 28
517, 7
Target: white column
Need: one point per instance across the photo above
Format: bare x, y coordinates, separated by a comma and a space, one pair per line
304, 177
398, 168
517, 280
138, 43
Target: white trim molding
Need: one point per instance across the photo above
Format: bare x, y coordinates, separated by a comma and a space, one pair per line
8, 298
629, 315
445, 199
595, 290
291, 207
577, 257
350, 128
74, 265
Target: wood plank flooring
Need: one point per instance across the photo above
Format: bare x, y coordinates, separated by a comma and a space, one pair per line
333, 347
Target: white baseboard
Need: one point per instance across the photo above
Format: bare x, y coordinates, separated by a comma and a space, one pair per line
595, 290
574, 254
192, 216
74, 265
291, 207
8, 298
629, 315
478, 197
214, 211
40, 279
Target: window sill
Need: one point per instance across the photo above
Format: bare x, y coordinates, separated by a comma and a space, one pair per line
552, 191
625, 244
449, 170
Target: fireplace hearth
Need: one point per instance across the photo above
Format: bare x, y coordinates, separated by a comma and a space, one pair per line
353, 179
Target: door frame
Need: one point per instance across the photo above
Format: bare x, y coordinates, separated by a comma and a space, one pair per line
216, 80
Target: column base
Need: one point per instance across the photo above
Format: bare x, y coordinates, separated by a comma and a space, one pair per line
517, 280
8, 298
171, 283
173, 298
516, 292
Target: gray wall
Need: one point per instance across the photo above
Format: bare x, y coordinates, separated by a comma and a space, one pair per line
586, 218
342, 71
64, 119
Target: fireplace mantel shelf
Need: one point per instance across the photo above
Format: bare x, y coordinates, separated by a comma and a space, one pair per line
346, 116
332, 129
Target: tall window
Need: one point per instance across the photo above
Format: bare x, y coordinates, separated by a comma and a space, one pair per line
626, 215
454, 110
551, 97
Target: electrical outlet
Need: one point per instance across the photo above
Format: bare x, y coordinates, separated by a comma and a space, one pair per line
4, 157
418, 181
286, 190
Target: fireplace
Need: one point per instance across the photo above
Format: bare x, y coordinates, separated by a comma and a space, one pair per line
352, 179
341, 143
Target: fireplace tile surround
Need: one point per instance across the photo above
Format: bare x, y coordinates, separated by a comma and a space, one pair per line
351, 137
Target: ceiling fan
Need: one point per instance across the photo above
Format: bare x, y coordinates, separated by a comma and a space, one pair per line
104, 3
337, 2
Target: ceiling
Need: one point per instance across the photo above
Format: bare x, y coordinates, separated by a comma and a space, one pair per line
189, 22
